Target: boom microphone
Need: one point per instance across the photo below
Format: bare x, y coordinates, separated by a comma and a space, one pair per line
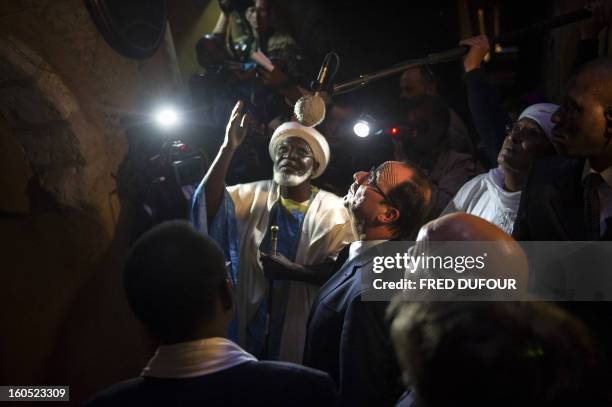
309, 110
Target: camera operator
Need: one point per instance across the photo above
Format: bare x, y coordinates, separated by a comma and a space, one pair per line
275, 91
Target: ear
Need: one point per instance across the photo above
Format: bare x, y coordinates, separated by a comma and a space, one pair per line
315, 165
389, 216
226, 295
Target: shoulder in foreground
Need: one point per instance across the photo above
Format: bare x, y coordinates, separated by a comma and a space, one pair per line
302, 382
111, 395
291, 371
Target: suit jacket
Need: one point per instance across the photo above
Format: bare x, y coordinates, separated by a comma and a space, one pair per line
248, 384
552, 208
349, 339
552, 203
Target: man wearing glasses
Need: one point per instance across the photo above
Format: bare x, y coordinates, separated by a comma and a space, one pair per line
281, 236
348, 337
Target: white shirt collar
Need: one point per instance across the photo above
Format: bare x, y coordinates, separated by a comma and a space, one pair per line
361, 246
605, 174
195, 358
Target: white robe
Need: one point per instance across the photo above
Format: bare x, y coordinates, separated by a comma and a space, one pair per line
484, 196
325, 231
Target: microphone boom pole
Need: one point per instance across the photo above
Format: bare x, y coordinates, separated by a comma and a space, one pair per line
456, 53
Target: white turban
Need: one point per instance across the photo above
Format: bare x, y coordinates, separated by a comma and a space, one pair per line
312, 137
541, 113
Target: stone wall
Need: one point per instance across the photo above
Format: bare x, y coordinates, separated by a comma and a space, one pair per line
63, 229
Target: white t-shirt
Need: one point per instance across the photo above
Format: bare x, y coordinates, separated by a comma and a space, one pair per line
484, 196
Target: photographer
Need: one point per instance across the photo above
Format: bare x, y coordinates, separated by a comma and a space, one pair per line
275, 91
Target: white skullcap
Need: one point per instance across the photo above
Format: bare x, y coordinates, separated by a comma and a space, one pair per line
312, 137
541, 113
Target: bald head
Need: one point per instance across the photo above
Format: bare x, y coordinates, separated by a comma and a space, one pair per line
456, 227
392, 173
505, 258
391, 201
409, 191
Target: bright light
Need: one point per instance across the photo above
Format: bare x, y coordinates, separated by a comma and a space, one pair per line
361, 128
394, 131
167, 117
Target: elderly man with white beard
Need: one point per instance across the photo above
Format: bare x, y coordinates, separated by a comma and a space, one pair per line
276, 273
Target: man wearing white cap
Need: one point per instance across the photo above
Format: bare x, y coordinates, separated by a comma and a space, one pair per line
276, 274
496, 195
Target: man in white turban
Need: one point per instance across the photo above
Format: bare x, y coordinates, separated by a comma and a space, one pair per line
276, 274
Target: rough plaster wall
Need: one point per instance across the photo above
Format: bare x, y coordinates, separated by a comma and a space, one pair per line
63, 233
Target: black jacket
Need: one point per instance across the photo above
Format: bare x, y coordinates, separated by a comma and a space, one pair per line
552, 202
248, 384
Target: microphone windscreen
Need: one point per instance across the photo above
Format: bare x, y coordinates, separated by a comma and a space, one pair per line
310, 110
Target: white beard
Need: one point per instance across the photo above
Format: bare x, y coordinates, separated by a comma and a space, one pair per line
291, 180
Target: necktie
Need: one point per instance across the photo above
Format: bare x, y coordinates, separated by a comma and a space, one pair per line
592, 205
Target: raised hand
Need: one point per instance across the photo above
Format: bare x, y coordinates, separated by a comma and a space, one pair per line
479, 48
237, 127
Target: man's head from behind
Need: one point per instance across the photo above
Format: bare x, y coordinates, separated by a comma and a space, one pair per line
177, 285
390, 201
459, 235
494, 354
423, 127
584, 120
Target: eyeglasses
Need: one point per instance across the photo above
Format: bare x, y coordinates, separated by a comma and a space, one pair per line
520, 131
371, 182
285, 151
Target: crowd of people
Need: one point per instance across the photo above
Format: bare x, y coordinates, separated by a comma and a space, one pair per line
258, 298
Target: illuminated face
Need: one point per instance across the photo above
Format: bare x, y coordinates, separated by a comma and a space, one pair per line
525, 142
259, 16
580, 122
367, 198
294, 162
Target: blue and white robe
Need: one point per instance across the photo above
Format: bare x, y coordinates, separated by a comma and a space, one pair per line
241, 224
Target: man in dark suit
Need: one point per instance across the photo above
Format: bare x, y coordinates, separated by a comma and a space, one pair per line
570, 197
177, 285
348, 337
